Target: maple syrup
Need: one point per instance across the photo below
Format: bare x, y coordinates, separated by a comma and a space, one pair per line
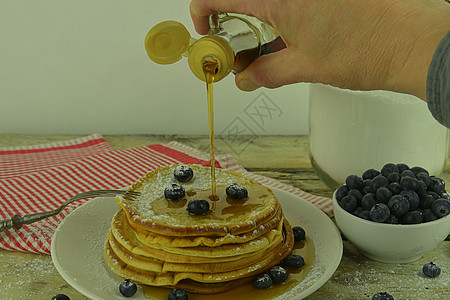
248, 291
210, 68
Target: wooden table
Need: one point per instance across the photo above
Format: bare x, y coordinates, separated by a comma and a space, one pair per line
285, 158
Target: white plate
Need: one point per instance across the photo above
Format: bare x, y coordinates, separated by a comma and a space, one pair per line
77, 247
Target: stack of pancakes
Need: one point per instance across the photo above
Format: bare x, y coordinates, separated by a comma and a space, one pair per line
157, 242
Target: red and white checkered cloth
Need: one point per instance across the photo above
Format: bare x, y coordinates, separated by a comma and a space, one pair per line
40, 178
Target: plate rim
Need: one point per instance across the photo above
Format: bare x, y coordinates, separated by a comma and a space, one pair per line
280, 195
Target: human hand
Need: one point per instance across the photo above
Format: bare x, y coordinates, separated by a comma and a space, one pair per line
384, 44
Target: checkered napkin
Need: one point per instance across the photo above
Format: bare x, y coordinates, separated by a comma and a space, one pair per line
40, 178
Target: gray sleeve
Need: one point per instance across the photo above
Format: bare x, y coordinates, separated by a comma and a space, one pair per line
438, 82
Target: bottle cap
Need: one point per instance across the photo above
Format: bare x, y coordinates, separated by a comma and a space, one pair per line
215, 47
167, 41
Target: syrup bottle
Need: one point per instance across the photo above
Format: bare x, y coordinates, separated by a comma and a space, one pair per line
234, 41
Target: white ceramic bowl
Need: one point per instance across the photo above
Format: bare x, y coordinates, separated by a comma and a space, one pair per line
391, 243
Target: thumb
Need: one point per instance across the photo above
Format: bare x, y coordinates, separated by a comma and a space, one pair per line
271, 71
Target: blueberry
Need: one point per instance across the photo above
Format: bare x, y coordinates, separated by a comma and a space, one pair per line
60, 297
198, 207
294, 261
408, 183
413, 217
382, 296
341, 192
355, 193
395, 188
402, 167
367, 188
183, 173
299, 234
423, 176
236, 191
177, 294
262, 281
128, 288
428, 215
431, 269
364, 215
379, 181
383, 194
398, 205
354, 182
357, 211
370, 174
174, 192
278, 274
368, 200
408, 173
421, 188
348, 203
392, 220
426, 201
437, 185
394, 177
379, 213
416, 170
440, 207
412, 197
388, 169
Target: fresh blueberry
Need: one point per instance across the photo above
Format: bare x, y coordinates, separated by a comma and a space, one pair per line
174, 192
395, 188
416, 170
431, 269
379, 213
392, 220
236, 191
428, 215
278, 274
60, 297
364, 215
370, 174
198, 207
440, 207
388, 169
412, 197
262, 281
299, 234
423, 176
426, 201
348, 203
413, 217
354, 182
379, 181
421, 188
178, 294
367, 188
437, 185
402, 167
408, 183
294, 261
394, 177
355, 193
183, 173
383, 194
128, 288
408, 173
398, 205
382, 296
368, 200
341, 192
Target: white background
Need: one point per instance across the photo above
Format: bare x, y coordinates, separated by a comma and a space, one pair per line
79, 67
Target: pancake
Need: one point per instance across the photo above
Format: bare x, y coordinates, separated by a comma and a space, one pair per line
158, 242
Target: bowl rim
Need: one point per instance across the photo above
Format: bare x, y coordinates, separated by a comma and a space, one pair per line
437, 222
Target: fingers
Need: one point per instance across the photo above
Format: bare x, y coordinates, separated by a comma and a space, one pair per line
201, 9
273, 70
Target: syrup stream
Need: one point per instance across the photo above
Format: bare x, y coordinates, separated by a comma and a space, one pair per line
210, 68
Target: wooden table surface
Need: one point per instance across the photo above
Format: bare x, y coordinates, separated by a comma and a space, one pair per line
285, 158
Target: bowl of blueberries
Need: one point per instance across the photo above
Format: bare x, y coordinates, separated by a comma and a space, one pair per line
393, 215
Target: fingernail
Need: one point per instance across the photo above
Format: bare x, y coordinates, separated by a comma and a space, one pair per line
247, 85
